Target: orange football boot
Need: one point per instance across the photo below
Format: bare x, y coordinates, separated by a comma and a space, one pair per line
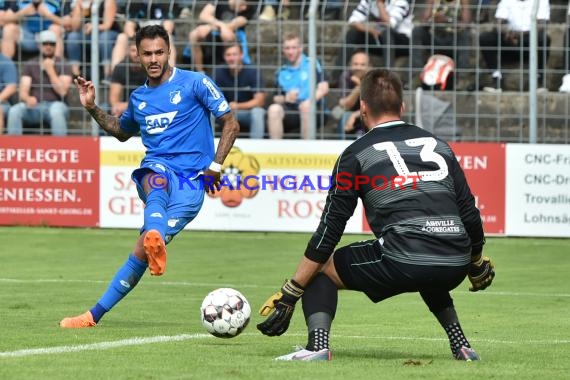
155, 251
78, 322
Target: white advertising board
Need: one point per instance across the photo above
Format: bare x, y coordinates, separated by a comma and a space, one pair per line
120, 205
538, 190
283, 186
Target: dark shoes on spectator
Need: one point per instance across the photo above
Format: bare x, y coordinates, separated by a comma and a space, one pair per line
332, 15
497, 86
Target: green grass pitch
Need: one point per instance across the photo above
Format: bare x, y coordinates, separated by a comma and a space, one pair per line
520, 326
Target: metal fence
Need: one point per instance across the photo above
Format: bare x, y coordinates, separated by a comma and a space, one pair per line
468, 113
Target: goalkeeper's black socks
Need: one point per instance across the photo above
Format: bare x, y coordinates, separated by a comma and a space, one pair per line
456, 338
318, 340
320, 296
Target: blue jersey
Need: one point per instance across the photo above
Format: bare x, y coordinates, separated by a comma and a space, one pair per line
297, 78
174, 120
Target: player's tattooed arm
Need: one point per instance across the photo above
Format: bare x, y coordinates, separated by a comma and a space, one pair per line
229, 134
109, 123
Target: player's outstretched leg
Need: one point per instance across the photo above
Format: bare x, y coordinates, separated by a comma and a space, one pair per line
155, 250
319, 306
125, 280
441, 305
155, 222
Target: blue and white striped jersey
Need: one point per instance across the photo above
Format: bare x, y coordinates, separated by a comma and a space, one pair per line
400, 12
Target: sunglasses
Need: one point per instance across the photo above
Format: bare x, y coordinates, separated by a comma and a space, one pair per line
48, 43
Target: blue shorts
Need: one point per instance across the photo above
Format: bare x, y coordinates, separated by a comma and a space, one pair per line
186, 196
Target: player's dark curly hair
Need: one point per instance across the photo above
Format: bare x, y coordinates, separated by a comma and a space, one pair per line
151, 32
382, 92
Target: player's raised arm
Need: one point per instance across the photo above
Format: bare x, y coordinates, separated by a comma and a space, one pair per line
230, 130
108, 122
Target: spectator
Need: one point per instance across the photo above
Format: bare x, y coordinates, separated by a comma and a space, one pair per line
349, 103
242, 86
44, 83
26, 19
79, 38
8, 87
142, 13
290, 108
375, 26
511, 36
331, 11
126, 77
444, 29
220, 22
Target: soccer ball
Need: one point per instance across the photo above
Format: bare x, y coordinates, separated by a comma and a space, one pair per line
225, 312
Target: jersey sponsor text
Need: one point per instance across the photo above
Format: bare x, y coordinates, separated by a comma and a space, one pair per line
158, 123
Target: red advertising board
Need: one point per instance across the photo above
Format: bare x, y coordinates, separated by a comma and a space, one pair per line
51, 181
484, 167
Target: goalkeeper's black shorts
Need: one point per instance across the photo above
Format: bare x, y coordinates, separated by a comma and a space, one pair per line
362, 267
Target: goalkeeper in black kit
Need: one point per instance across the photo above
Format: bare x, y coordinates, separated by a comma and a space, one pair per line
428, 231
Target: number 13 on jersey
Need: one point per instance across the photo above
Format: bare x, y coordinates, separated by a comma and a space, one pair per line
427, 154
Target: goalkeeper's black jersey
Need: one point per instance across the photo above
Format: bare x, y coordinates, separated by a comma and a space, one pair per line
430, 220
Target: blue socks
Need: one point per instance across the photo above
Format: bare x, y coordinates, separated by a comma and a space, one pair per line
155, 216
124, 281
98, 312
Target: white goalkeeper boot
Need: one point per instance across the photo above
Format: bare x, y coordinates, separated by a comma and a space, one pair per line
303, 354
466, 353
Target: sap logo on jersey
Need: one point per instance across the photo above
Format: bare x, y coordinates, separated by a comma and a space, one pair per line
158, 123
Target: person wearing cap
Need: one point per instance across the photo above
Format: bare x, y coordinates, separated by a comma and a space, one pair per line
44, 83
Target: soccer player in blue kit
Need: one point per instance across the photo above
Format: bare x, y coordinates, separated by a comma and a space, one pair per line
171, 111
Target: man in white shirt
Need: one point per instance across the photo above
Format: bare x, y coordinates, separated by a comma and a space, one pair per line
377, 26
512, 34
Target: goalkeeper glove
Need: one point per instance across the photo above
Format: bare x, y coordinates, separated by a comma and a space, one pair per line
279, 308
481, 273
